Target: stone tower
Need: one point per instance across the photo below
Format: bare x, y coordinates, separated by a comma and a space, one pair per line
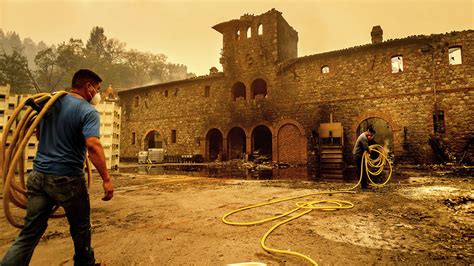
253, 43
376, 34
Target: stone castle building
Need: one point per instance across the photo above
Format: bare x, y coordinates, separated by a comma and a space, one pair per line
269, 99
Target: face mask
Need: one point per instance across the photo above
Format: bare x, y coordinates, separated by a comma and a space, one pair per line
96, 99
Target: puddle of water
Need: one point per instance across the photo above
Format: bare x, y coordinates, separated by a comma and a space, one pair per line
299, 173
291, 173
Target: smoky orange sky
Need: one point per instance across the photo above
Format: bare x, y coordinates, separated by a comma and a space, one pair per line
182, 29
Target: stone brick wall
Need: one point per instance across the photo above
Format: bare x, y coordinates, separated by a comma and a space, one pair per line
360, 85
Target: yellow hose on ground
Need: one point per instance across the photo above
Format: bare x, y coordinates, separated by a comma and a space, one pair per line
308, 206
12, 151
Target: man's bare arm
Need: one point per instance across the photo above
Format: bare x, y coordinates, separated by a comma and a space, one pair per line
97, 157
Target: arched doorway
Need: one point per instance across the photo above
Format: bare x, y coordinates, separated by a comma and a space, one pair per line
383, 135
236, 143
214, 144
262, 141
153, 140
292, 145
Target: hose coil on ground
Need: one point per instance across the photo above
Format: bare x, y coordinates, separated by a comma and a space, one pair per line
22, 123
373, 167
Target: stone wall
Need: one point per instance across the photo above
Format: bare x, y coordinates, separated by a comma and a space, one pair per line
360, 85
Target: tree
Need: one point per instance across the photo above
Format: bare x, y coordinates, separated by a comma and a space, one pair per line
114, 50
96, 45
48, 74
14, 71
11, 42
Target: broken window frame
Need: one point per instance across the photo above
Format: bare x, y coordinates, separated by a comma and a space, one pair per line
400, 64
451, 51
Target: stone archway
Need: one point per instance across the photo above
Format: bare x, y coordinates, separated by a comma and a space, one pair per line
384, 132
239, 91
259, 87
153, 139
262, 141
214, 145
397, 134
236, 143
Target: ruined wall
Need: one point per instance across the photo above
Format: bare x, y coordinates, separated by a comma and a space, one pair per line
298, 97
360, 85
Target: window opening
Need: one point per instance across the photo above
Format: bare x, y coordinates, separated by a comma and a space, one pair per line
173, 136
260, 29
133, 138
455, 57
325, 69
397, 64
238, 91
249, 32
259, 87
207, 91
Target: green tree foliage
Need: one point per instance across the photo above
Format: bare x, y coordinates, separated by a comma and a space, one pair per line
14, 71
54, 66
48, 73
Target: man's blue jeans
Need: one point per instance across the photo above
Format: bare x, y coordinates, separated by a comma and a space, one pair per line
45, 191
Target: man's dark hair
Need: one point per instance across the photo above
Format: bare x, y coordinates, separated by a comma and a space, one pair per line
371, 129
82, 76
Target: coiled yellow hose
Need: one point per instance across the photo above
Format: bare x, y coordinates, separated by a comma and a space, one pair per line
12, 151
308, 206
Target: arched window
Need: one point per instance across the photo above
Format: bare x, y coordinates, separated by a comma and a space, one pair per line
249, 32
325, 69
238, 91
260, 29
237, 35
259, 87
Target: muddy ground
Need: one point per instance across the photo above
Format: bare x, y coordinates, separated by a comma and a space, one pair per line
176, 220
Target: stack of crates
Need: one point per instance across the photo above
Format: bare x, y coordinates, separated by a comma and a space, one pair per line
156, 155
142, 157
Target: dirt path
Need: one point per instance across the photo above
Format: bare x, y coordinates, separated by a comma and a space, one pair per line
175, 220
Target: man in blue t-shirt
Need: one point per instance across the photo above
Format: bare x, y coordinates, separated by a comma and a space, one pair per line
70, 127
361, 146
